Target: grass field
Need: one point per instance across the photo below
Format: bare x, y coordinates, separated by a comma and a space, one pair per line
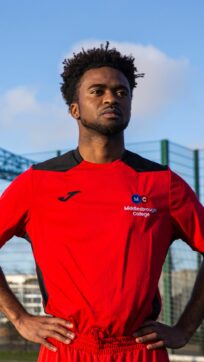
18, 356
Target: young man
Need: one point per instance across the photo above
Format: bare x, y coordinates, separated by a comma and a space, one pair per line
100, 220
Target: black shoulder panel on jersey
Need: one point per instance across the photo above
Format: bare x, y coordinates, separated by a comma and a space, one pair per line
141, 164
60, 163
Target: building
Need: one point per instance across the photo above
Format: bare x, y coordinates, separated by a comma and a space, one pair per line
26, 289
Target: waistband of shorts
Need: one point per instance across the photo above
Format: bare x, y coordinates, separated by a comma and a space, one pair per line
105, 345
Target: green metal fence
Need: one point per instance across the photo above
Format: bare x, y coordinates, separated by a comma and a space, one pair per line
182, 264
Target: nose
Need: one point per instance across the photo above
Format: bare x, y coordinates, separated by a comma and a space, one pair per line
109, 97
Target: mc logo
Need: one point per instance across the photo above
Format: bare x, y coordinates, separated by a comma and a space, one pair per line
137, 199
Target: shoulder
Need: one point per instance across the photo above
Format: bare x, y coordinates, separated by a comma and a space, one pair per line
60, 163
19, 187
141, 164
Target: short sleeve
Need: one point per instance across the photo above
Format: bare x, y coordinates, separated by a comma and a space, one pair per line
14, 207
187, 213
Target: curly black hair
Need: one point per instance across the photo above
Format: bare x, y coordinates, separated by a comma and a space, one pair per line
75, 67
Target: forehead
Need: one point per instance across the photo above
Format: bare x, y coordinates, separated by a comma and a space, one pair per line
105, 75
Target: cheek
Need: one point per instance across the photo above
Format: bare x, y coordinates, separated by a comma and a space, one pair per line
87, 108
127, 109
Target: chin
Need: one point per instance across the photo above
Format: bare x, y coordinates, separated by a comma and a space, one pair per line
104, 129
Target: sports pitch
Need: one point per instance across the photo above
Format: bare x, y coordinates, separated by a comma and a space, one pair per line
15, 356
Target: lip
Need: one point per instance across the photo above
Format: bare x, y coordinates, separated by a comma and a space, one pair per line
111, 112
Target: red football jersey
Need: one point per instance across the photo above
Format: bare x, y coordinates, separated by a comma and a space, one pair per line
100, 234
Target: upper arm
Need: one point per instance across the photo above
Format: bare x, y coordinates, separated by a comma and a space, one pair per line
187, 213
15, 207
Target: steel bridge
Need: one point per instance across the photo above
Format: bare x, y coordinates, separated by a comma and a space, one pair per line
12, 165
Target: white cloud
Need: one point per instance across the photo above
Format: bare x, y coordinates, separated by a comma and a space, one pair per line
28, 123
18, 101
164, 81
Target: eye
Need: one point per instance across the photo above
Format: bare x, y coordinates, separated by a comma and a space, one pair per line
122, 92
97, 91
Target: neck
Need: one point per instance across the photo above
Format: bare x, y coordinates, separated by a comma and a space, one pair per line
101, 149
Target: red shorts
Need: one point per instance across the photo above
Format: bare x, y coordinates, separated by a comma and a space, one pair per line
95, 349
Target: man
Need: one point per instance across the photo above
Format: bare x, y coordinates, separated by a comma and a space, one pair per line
100, 220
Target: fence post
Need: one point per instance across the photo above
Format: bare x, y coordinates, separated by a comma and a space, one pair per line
199, 258
197, 186
167, 268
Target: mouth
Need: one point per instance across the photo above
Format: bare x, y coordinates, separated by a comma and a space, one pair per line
111, 113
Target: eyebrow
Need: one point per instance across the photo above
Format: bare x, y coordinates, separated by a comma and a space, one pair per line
105, 86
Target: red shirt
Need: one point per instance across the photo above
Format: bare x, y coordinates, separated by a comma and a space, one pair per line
100, 234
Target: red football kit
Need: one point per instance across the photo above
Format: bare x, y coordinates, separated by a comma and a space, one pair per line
100, 234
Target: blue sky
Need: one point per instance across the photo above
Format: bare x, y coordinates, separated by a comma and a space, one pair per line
165, 38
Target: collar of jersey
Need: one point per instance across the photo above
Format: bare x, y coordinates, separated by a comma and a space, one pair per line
114, 163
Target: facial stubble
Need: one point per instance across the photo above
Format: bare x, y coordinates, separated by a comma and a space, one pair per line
105, 130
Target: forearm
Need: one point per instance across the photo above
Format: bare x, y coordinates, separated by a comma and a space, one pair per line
33, 328
9, 304
193, 313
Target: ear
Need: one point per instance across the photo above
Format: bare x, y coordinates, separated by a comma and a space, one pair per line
74, 110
